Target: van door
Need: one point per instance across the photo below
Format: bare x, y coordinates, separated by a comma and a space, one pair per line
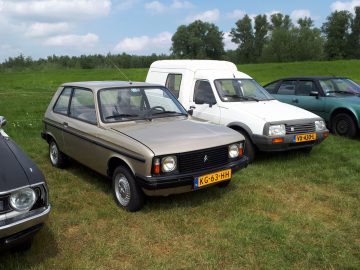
204, 104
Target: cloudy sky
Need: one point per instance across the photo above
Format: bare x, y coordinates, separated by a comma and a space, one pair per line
39, 28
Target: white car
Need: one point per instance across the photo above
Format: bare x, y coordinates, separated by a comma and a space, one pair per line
217, 92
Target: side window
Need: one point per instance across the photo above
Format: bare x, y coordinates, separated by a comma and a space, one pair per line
82, 106
62, 104
271, 88
173, 82
287, 88
203, 93
304, 88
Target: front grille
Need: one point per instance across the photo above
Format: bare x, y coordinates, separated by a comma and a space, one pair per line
300, 128
4, 205
203, 159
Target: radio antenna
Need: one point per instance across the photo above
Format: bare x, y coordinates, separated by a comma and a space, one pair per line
122, 73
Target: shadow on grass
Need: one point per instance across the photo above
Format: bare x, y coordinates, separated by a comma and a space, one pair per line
44, 247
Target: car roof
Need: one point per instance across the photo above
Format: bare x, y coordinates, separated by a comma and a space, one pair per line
96, 85
312, 78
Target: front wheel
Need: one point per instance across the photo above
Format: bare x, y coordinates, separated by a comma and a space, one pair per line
250, 150
126, 191
57, 158
344, 125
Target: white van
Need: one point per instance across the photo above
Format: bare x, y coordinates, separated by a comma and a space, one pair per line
217, 92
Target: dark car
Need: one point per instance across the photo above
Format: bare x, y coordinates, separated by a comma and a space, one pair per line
336, 99
24, 202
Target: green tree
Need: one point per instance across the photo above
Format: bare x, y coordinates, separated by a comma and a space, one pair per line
353, 46
336, 31
261, 31
243, 35
198, 40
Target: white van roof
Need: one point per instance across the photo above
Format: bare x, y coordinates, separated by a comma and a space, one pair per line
195, 65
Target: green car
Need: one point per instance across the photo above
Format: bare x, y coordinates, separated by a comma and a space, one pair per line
336, 99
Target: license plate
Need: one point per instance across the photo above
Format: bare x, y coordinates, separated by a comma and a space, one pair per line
212, 178
305, 137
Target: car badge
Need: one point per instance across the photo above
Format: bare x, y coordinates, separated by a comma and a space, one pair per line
292, 129
205, 158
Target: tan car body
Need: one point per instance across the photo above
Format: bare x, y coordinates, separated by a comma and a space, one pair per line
101, 146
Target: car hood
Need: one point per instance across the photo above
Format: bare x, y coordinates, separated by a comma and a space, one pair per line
16, 169
271, 110
174, 135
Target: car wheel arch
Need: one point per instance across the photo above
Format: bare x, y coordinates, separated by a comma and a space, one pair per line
241, 128
343, 110
115, 162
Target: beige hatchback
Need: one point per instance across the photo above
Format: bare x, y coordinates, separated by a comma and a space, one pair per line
139, 135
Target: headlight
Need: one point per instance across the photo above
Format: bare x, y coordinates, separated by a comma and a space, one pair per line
277, 130
320, 125
234, 150
168, 164
23, 199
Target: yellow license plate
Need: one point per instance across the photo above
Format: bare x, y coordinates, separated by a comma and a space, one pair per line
212, 178
305, 137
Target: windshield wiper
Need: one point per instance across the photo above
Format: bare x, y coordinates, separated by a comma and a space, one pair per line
169, 112
241, 97
340, 92
122, 115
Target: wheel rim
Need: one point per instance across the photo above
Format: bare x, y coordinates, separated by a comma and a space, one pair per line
122, 189
342, 126
54, 153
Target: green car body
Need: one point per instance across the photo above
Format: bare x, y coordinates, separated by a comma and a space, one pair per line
335, 99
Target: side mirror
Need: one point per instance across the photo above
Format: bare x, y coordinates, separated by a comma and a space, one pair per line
2, 121
199, 100
314, 94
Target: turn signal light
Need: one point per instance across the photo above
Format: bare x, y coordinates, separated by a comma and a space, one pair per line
241, 150
278, 140
156, 166
325, 135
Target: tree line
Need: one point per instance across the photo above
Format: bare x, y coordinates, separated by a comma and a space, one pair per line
260, 39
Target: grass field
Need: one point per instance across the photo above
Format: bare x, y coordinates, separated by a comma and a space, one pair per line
285, 211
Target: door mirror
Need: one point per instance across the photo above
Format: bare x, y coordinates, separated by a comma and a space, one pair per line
199, 100
314, 94
2, 121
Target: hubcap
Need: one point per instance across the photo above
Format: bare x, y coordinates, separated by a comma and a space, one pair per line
122, 189
342, 126
54, 153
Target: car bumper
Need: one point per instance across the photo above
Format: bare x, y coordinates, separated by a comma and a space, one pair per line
21, 228
179, 183
266, 143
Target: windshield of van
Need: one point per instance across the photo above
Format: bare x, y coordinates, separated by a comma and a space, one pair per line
235, 90
136, 103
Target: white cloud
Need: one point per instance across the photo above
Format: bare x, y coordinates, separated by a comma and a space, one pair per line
156, 7
236, 14
228, 44
300, 13
124, 4
207, 16
349, 5
46, 29
55, 10
80, 41
143, 43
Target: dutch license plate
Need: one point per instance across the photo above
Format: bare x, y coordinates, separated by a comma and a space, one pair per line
305, 137
212, 178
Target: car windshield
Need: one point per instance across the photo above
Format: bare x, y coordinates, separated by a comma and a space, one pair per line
235, 90
339, 87
135, 103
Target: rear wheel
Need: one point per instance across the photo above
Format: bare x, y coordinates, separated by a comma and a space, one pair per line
57, 158
344, 125
126, 191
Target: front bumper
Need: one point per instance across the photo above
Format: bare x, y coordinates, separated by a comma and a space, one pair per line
265, 143
18, 228
179, 183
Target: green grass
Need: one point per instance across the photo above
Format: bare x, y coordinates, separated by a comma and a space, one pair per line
285, 211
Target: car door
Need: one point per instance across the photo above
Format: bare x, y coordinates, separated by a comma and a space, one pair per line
306, 97
204, 103
285, 91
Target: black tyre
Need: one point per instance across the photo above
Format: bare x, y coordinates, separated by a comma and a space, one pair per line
126, 191
250, 150
57, 158
344, 125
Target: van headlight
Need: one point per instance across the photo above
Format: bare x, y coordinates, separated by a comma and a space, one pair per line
277, 130
320, 125
168, 164
23, 199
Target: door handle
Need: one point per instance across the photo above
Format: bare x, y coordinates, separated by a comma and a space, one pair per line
295, 100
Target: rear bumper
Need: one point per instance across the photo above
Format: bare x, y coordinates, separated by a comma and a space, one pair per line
19, 229
179, 183
265, 143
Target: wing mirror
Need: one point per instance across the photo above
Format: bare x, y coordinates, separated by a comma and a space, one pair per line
2, 121
314, 94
